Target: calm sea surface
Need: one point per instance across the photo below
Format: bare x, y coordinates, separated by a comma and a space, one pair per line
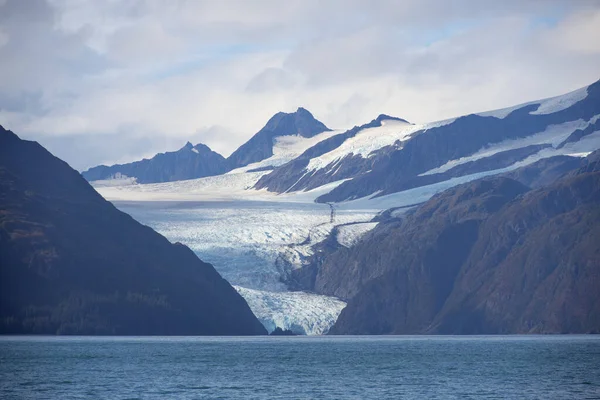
500, 367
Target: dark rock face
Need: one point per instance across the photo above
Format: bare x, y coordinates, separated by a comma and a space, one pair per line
304, 278
260, 146
187, 163
71, 263
453, 214
545, 171
490, 256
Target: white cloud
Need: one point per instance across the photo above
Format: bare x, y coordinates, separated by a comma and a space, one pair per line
578, 33
146, 76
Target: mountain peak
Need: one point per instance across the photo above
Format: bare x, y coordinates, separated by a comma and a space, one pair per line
260, 146
301, 122
188, 146
383, 117
189, 162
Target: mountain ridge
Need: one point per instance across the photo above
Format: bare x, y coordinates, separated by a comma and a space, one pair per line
199, 161
410, 155
71, 263
490, 256
186, 163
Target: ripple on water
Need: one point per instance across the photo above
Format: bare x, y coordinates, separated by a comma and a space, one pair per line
541, 367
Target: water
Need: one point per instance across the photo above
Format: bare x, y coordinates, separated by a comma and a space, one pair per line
546, 367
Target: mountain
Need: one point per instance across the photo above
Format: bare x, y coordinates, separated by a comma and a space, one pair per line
187, 163
388, 156
490, 256
200, 161
260, 146
71, 263
298, 174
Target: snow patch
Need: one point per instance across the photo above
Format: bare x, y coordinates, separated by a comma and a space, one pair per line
546, 106
553, 135
559, 103
349, 235
421, 194
366, 141
285, 149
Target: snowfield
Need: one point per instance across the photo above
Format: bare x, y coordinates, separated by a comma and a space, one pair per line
366, 141
546, 106
369, 140
285, 149
553, 135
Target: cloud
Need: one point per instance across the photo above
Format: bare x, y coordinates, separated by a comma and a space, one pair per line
107, 81
577, 33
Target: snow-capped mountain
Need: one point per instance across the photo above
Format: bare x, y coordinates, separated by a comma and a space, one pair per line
260, 146
283, 138
389, 156
189, 162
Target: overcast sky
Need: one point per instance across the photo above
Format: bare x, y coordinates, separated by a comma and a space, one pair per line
114, 81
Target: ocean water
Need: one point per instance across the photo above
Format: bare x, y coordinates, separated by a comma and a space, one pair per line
498, 367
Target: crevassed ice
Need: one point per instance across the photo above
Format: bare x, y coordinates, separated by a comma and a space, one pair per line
243, 240
302, 313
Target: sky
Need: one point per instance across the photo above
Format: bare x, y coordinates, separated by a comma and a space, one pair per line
106, 81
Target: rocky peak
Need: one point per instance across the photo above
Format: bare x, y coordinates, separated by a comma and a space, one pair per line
301, 122
260, 146
384, 117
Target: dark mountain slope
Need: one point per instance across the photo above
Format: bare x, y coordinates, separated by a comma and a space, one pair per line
490, 256
453, 215
187, 163
545, 171
260, 146
548, 281
434, 147
71, 263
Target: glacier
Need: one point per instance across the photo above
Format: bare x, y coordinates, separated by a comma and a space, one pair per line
243, 239
243, 231
255, 238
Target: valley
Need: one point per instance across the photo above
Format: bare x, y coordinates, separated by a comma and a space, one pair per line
291, 201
